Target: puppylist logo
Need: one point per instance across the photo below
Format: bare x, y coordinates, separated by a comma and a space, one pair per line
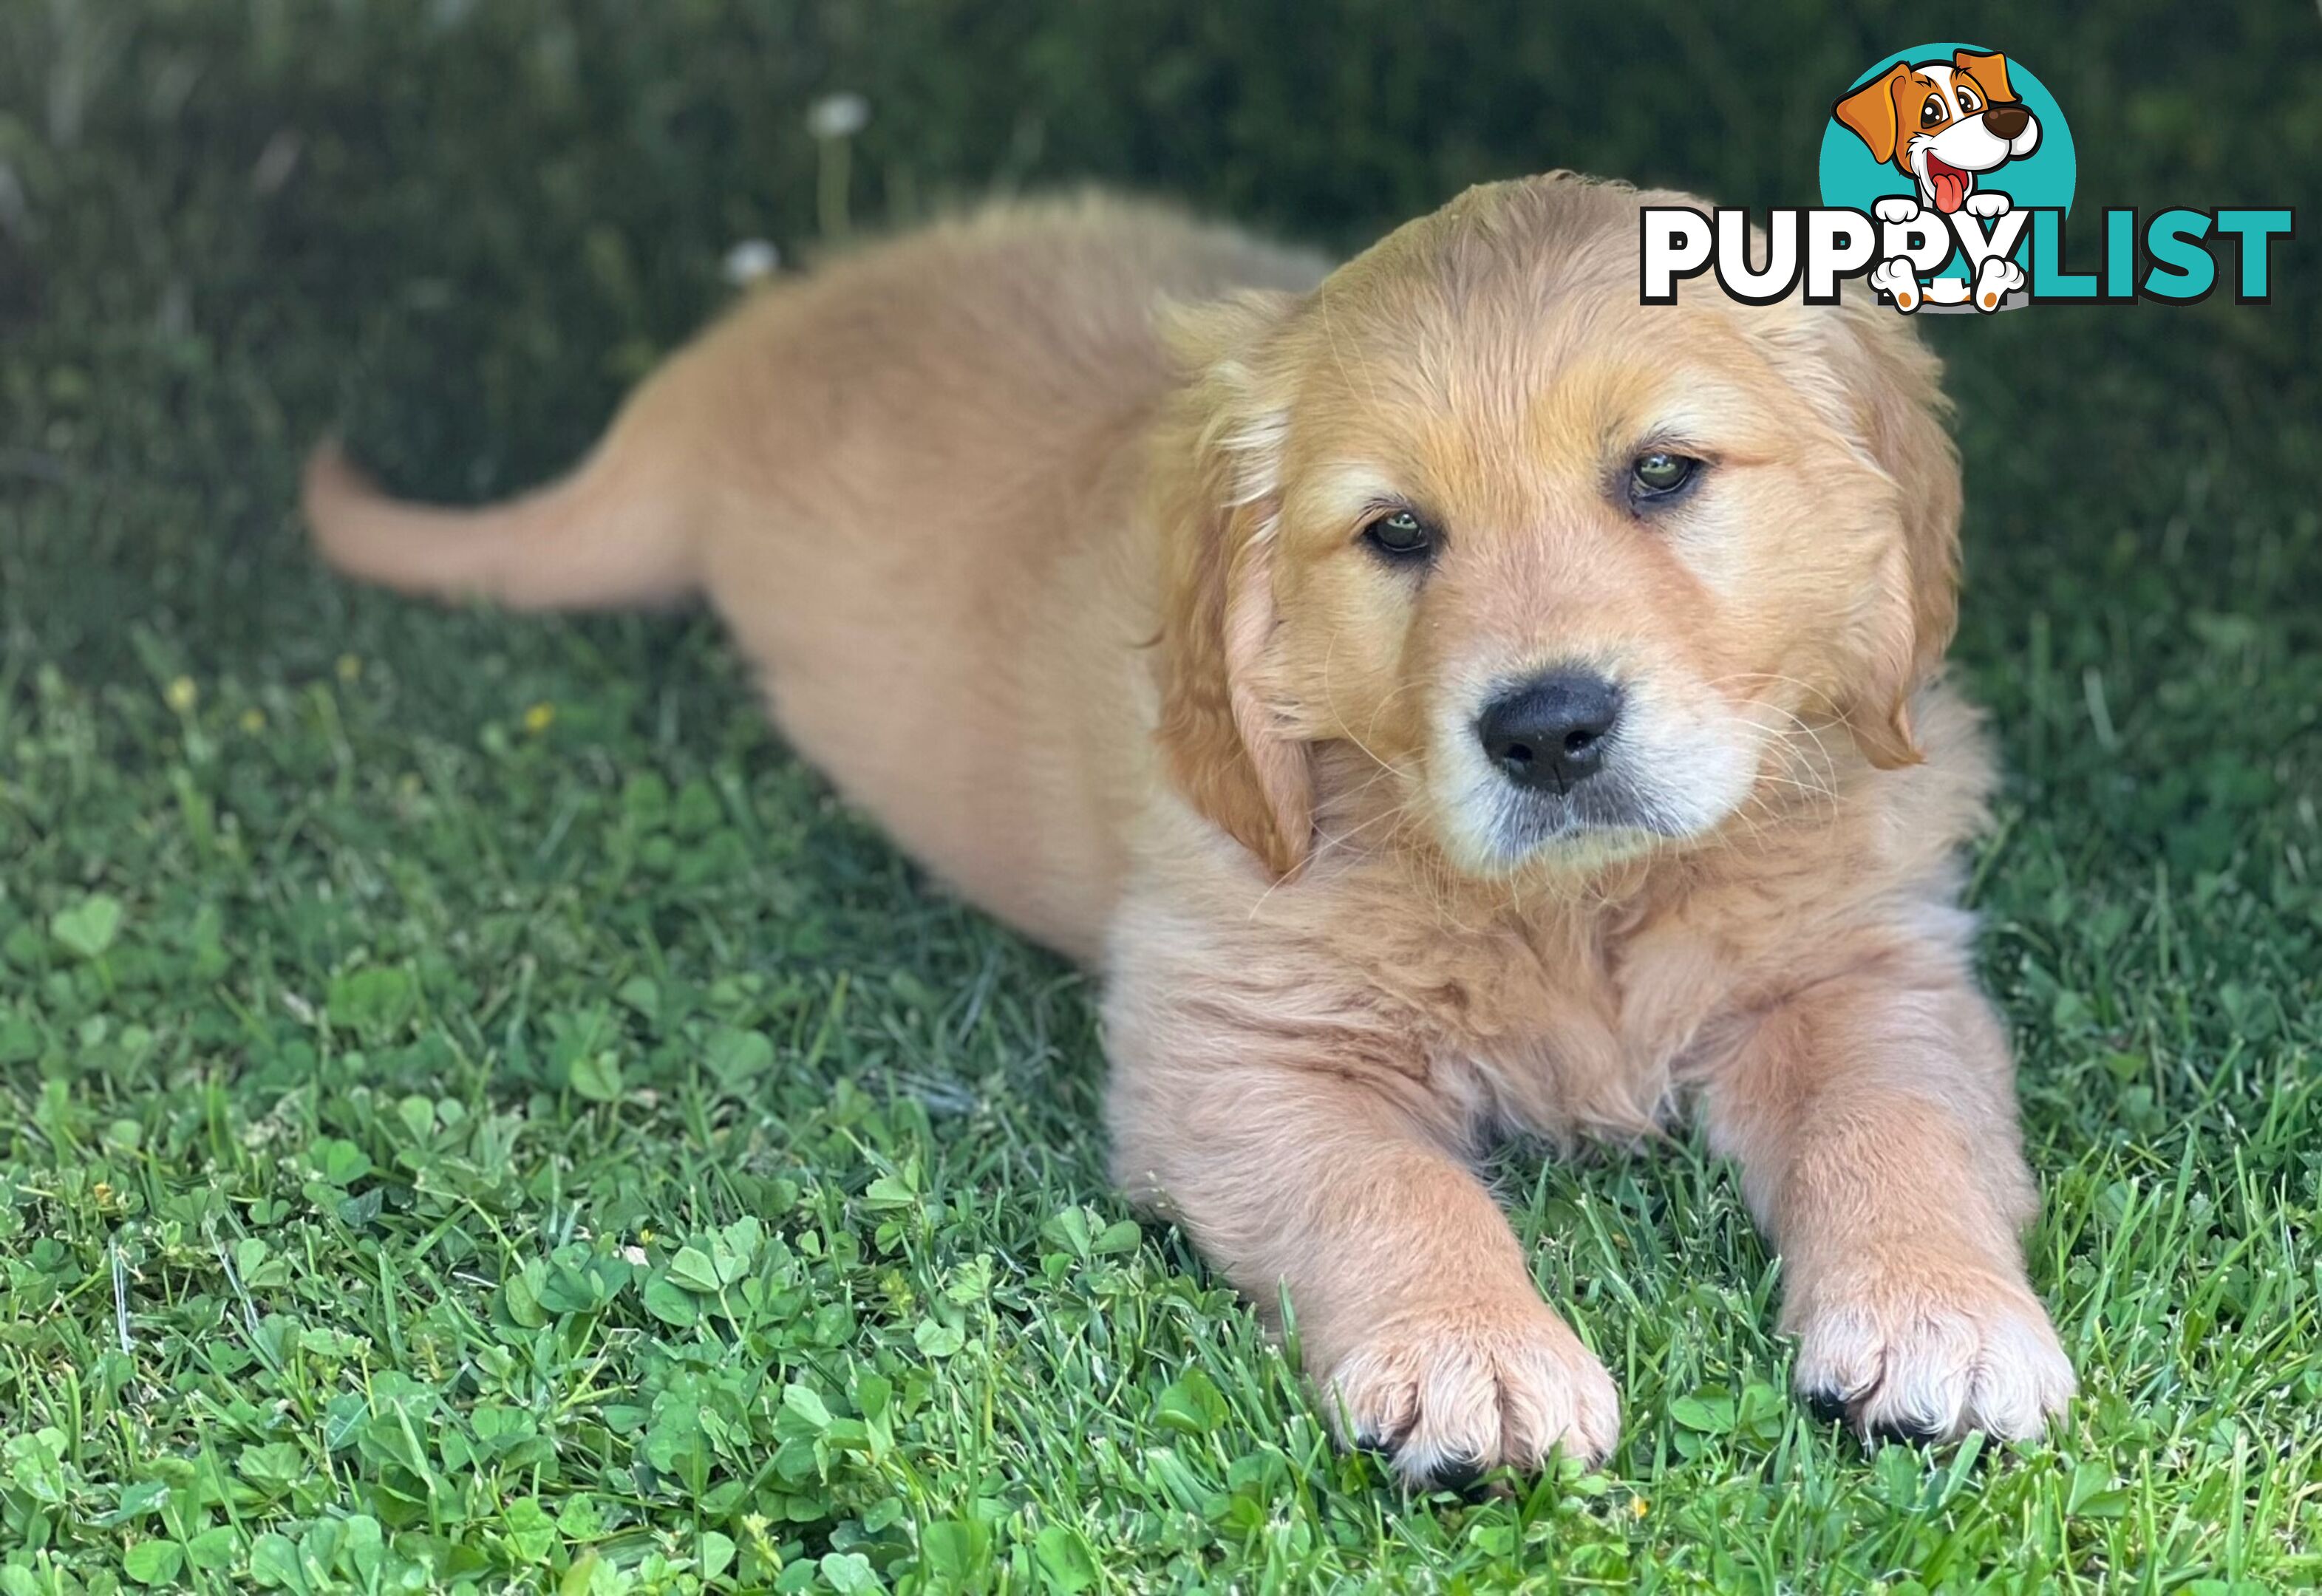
1947, 171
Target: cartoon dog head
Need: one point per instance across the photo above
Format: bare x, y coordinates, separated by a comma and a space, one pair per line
1941, 123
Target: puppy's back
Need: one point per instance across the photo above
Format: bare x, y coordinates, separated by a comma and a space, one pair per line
904, 480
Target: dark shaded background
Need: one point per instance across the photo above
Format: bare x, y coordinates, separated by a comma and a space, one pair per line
328, 200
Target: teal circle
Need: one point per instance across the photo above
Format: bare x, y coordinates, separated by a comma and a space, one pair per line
2045, 178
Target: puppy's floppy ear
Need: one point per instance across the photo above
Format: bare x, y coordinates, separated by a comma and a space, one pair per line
1896, 390
1216, 492
1864, 371
1869, 112
1987, 72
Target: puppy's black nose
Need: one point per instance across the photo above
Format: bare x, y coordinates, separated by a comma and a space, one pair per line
2005, 121
1551, 732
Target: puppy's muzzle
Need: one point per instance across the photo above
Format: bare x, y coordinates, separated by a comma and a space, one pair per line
2006, 122
1551, 734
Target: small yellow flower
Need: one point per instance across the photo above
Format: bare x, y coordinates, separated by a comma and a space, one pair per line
182, 695
350, 668
254, 721
755, 1525
539, 718
1640, 1507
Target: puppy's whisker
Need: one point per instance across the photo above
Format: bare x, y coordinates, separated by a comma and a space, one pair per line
1828, 765
1340, 839
1331, 702
1371, 726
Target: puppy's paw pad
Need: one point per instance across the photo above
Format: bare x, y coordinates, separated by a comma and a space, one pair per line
1449, 1393
1455, 1473
1827, 1405
1905, 1433
1922, 1364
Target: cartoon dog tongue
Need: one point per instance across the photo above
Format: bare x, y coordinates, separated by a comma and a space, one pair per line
1951, 184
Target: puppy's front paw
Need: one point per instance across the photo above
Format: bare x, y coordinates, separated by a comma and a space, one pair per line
1897, 208
1987, 205
1918, 1359
1451, 1392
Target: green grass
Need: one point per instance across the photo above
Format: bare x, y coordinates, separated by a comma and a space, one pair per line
473, 1111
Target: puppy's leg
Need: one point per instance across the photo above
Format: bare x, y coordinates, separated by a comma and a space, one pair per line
1309, 1164
1875, 1124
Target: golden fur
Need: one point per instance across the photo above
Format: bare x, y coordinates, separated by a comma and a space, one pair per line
1043, 526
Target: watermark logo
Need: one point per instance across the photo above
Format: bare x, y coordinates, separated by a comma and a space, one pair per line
1940, 131
1947, 172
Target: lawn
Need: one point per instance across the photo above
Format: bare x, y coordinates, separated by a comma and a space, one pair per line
476, 1113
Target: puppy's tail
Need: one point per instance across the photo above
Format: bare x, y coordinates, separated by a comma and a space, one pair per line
605, 537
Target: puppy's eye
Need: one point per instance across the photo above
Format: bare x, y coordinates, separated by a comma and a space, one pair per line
1968, 104
1401, 535
1931, 112
1658, 475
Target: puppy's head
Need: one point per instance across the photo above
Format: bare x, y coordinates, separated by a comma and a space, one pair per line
1576, 576
1941, 123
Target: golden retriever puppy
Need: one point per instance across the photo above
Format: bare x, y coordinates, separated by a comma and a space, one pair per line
1441, 695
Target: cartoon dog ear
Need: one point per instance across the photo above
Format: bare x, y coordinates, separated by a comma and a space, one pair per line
1987, 71
1869, 112
1217, 493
